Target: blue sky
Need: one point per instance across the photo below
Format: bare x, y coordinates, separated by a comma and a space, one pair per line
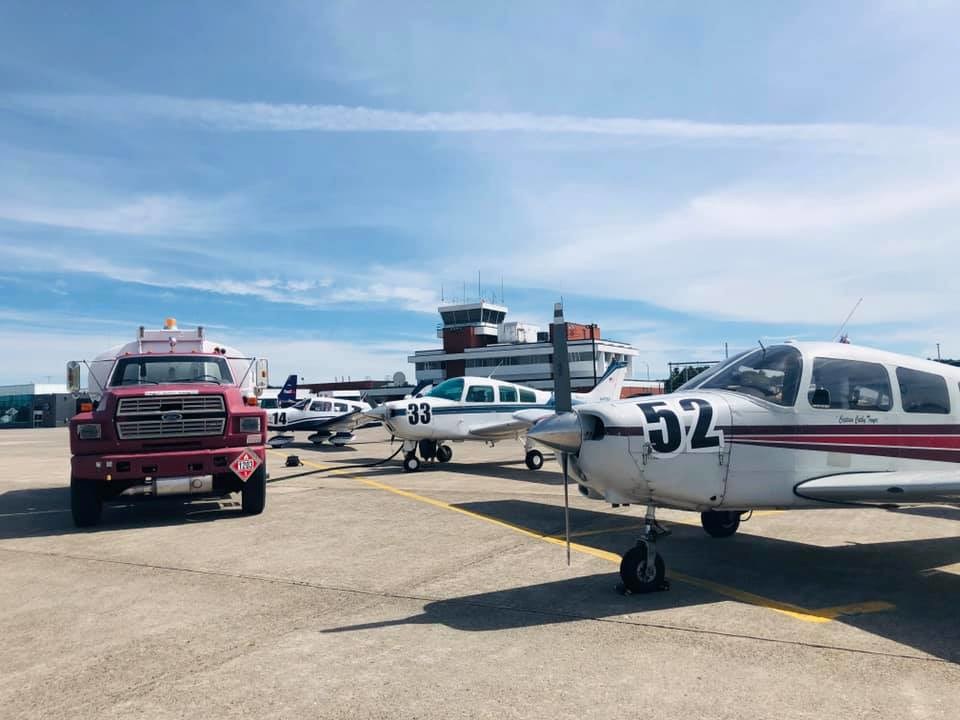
303, 178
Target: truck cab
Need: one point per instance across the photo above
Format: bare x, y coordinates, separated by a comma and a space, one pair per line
172, 414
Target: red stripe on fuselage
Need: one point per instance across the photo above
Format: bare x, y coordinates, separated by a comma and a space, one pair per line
917, 441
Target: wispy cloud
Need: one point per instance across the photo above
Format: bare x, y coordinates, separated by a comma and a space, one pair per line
225, 115
409, 291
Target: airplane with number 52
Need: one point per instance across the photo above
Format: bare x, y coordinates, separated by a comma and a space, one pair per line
797, 425
478, 409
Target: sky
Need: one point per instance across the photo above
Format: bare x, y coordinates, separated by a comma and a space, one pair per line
308, 180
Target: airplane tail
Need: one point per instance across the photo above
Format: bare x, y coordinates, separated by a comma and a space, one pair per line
288, 394
609, 386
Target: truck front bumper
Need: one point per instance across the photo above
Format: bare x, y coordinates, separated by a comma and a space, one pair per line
123, 467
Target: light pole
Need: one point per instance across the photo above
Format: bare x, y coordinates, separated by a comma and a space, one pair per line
648, 368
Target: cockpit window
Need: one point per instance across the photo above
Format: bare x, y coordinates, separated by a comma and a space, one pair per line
771, 374
698, 379
480, 393
451, 389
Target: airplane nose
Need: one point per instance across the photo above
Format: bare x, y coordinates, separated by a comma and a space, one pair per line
379, 412
560, 432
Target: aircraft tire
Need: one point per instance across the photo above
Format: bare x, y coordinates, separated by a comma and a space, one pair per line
444, 453
720, 523
411, 463
632, 567
534, 459
85, 502
253, 497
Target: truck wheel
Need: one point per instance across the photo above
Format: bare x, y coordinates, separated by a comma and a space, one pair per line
254, 494
85, 502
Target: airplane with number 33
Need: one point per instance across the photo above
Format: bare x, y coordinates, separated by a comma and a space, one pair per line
478, 409
797, 425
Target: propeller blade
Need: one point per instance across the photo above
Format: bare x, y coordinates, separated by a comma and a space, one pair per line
566, 506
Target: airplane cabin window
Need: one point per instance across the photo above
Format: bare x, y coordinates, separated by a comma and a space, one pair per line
923, 392
771, 374
480, 393
839, 384
451, 389
317, 407
508, 394
527, 396
340, 407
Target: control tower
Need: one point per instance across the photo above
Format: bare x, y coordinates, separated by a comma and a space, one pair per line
468, 325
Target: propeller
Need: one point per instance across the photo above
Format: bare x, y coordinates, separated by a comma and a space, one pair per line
563, 433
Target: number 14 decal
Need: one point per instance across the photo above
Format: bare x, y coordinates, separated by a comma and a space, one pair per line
668, 434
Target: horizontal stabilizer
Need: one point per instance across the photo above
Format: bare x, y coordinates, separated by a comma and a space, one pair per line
901, 488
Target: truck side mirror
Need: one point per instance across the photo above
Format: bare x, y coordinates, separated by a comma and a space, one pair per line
73, 376
820, 398
263, 375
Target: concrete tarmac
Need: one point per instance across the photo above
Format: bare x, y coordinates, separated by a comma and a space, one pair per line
369, 592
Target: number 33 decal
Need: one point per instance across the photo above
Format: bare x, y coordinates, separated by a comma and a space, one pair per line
668, 434
423, 418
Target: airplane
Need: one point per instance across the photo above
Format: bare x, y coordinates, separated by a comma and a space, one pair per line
332, 419
9, 416
478, 409
327, 418
285, 397
796, 425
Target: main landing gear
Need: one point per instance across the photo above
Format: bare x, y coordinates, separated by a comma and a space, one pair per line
720, 523
429, 450
534, 459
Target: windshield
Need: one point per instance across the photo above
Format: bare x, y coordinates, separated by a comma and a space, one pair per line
697, 379
772, 375
163, 370
451, 389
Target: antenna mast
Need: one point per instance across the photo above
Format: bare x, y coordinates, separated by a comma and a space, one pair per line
850, 315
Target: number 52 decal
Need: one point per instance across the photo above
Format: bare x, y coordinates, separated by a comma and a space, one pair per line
421, 418
668, 434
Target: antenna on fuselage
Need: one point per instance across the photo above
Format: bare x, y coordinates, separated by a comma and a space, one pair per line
495, 369
844, 324
760, 343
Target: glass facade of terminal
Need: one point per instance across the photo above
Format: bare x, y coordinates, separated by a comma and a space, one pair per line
25, 410
16, 410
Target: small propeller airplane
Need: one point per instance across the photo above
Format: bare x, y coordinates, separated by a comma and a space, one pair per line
326, 418
797, 425
478, 409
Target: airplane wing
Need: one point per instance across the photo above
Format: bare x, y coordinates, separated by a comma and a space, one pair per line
522, 420
897, 487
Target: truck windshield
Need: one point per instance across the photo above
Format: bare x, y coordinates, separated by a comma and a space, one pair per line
163, 370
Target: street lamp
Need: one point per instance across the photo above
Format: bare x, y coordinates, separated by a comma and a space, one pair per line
648, 368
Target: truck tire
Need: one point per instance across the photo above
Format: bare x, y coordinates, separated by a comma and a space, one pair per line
254, 494
85, 502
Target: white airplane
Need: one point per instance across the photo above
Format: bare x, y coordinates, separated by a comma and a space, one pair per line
478, 409
326, 418
799, 425
9, 416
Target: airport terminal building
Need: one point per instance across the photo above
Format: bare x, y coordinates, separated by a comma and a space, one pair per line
478, 341
35, 405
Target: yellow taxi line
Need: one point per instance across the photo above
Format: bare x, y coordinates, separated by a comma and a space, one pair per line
817, 616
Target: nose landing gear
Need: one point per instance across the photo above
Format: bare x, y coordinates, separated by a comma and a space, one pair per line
429, 450
642, 569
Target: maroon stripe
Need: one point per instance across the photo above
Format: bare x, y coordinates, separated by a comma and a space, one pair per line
625, 431
909, 453
953, 429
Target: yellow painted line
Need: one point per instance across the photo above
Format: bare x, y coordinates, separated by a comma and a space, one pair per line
795, 611
602, 531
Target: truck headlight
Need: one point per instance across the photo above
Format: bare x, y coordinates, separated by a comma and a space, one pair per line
88, 431
250, 425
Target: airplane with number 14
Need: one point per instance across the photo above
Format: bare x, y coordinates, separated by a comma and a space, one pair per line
797, 425
478, 409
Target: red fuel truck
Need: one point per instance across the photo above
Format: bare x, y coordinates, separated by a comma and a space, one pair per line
172, 414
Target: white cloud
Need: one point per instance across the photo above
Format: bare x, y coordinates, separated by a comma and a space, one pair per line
259, 116
407, 291
142, 215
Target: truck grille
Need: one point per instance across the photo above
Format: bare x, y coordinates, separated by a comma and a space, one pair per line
170, 416
144, 429
175, 403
